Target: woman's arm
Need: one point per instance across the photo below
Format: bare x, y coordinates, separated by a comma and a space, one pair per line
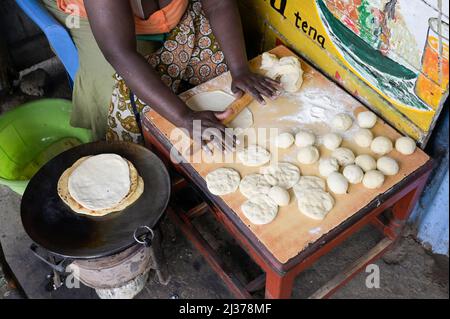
227, 26
112, 23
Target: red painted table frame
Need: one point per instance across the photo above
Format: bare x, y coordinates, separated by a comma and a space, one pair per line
279, 278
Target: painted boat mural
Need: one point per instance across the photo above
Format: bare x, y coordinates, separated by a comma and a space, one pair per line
391, 54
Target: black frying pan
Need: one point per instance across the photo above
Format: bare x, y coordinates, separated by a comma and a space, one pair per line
54, 226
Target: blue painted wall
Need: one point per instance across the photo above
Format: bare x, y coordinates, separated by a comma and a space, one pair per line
431, 216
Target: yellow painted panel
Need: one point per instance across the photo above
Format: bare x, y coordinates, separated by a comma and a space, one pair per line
396, 79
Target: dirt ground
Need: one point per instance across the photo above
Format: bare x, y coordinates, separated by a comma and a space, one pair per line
409, 271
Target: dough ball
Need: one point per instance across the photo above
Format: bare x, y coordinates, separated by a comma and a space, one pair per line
315, 204
291, 72
284, 140
366, 162
381, 145
223, 181
337, 183
284, 175
405, 145
260, 210
354, 174
268, 61
367, 119
388, 166
303, 139
328, 166
373, 179
254, 184
332, 141
363, 138
287, 69
342, 122
308, 183
308, 155
280, 196
344, 156
254, 155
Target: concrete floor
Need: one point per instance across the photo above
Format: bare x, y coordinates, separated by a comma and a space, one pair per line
408, 272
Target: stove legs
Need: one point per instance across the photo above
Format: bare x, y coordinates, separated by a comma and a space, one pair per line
158, 260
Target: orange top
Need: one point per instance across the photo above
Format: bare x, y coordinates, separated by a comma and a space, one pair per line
162, 21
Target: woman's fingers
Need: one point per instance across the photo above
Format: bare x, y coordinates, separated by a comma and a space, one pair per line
272, 82
223, 115
253, 91
265, 90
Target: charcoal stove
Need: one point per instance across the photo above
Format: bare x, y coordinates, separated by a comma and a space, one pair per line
112, 254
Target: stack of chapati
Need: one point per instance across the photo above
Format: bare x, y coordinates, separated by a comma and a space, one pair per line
100, 185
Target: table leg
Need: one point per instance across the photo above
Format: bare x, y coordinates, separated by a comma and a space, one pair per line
279, 286
403, 209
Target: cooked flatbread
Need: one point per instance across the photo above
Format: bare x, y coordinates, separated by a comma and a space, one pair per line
135, 191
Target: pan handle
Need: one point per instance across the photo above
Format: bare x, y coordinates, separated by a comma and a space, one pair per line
145, 238
56, 267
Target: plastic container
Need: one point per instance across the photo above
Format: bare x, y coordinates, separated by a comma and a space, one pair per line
33, 134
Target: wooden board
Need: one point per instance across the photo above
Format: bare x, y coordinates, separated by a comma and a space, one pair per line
291, 232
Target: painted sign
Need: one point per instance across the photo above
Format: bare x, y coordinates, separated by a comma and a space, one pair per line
391, 54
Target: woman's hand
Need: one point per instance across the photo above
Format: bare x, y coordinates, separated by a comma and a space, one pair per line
256, 85
208, 125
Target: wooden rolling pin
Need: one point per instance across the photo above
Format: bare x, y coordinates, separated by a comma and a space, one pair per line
237, 107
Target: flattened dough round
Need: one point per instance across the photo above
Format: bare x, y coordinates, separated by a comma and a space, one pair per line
260, 210
308, 183
218, 101
136, 190
315, 204
282, 174
100, 182
254, 155
254, 184
223, 181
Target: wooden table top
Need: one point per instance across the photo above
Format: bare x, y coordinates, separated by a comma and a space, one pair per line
312, 108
